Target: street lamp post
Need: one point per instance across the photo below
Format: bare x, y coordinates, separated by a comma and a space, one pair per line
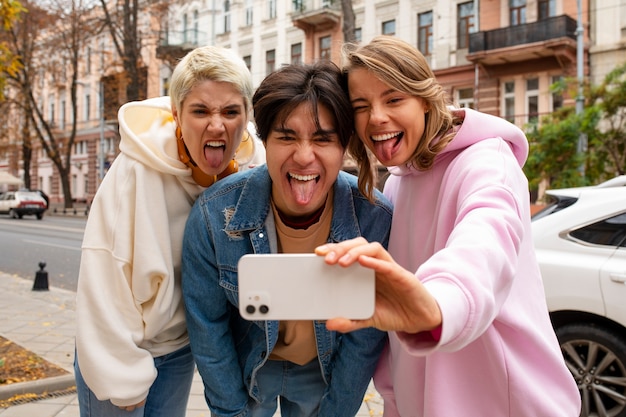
580, 99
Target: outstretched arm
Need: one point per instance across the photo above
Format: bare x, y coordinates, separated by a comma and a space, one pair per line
402, 302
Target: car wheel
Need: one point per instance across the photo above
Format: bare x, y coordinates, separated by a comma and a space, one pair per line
597, 358
39, 216
14, 214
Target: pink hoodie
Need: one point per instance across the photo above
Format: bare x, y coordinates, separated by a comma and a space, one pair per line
464, 227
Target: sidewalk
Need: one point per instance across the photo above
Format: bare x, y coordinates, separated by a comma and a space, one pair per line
43, 322
57, 209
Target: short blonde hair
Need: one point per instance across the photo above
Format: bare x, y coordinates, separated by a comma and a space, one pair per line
210, 63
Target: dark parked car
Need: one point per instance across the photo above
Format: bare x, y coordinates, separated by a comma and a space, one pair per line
20, 203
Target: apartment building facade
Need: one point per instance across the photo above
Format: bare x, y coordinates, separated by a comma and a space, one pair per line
497, 56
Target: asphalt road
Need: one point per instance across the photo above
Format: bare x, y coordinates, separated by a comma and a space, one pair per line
54, 240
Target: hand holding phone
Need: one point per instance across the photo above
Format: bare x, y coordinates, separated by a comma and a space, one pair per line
303, 287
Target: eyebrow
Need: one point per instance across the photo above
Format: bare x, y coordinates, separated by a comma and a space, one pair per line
319, 132
204, 106
385, 93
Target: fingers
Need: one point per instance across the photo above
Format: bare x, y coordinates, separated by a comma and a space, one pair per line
344, 325
347, 252
132, 407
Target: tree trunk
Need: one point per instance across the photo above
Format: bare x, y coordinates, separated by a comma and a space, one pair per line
348, 21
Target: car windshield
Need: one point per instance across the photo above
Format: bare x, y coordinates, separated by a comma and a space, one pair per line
29, 195
557, 203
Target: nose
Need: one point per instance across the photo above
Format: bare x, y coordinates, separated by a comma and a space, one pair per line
378, 115
304, 153
215, 123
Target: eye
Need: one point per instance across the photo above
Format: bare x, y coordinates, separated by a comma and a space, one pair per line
231, 113
325, 139
199, 111
285, 138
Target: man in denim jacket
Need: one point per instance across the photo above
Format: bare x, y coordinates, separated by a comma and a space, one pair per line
299, 200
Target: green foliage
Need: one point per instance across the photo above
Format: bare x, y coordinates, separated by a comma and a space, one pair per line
554, 152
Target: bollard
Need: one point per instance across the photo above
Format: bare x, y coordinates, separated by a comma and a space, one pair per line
41, 278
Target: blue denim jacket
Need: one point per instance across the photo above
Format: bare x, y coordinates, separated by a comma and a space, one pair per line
232, 218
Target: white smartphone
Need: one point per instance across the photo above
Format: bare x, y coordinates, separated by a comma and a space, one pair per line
303, 287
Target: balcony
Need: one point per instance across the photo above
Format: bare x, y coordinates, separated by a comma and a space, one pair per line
176, 44
316, 14
553, 37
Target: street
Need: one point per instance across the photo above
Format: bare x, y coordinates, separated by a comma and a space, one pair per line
55, 240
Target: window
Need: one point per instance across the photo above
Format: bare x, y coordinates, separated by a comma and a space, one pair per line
509, 101
249, 14
557, 95
270, 61
465, 25
185, 27
272, 9
248, 61
532, 100
51, 115
425, 33
227, 16
88, 61
546, 9
87, 107
102, 53
325, 48
358, 34
195, 27
465, 97
517, 12
63, 114
389, 27
296, 53
609, 232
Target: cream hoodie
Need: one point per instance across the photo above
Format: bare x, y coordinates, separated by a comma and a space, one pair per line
129, 303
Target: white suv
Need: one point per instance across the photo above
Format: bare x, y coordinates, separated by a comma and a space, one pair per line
580, 240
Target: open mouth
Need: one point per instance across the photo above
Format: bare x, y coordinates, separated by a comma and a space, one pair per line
303, 187
297, 177
385, 145
214, 152
387, 136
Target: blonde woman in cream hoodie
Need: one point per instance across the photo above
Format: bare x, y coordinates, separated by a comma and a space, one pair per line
132, 350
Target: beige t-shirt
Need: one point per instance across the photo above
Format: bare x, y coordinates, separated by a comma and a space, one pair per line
296, 338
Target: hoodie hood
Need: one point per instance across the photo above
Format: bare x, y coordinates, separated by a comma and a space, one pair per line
147, 131
148, 134
477, 127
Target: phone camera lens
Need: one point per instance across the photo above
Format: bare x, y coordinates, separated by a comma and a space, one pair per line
250, 309
264, 309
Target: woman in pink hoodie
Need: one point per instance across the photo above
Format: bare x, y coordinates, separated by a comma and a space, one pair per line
459, 289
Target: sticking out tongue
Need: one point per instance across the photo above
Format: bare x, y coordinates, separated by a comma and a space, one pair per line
303, 190
214, 155
384, 149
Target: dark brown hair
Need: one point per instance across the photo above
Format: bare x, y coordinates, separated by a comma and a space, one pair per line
320, 83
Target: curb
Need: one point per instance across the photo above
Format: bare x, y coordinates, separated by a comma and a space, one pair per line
38, 387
